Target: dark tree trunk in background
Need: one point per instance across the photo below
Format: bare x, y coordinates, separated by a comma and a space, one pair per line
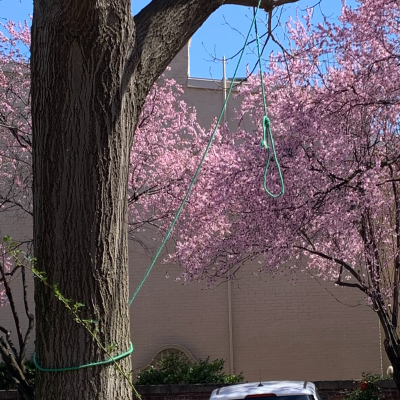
92, 65
393, 355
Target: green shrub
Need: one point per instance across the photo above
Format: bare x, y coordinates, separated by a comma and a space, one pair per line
176, 369
367, 389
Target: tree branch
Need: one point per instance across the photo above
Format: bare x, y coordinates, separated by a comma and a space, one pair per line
342, 265
10, 298
396, 278
31, 320
15, 369
347, 284
164, 27
10, 344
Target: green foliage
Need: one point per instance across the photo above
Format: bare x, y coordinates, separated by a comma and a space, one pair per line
7, 383
176, 369
367, 389
30, 371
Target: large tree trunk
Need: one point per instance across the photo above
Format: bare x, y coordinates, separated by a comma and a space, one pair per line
92, 65
83, 118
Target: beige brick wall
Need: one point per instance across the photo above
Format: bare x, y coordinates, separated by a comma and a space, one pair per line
167, 312
301, 331
281, 330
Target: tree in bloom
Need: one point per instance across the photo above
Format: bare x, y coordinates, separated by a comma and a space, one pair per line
334, 108
167, 149
15, 194
163, 158
15, 119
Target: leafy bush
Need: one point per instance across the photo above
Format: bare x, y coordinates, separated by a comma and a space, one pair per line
367, 389
177, 369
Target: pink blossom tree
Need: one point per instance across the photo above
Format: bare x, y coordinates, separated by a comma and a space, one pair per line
167, 149
168, 138
334, 108
15, 119
15, 194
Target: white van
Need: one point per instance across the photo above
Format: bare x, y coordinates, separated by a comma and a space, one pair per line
282, 390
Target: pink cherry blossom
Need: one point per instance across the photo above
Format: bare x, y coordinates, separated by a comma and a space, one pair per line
168, 143
334, 105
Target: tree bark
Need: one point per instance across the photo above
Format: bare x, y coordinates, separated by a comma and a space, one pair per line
393, 351
92, 66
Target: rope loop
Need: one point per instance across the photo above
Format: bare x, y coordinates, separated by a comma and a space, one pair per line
267, 141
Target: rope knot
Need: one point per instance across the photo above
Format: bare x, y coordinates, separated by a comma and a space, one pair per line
265, 126
264, 144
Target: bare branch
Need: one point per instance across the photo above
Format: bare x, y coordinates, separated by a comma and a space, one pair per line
340, 282
156, 44
10, 298
30, 317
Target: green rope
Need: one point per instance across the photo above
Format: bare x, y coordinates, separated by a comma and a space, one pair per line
267, 141
168, 234
267, 136
93, 364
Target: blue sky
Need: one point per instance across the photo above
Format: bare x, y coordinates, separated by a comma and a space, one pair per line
218, 36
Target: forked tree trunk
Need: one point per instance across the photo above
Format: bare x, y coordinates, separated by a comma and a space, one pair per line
92, 65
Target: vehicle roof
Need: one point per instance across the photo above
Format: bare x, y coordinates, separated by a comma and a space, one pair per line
280, 388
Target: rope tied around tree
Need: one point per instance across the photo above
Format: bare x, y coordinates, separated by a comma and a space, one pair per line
267, 142
93, 364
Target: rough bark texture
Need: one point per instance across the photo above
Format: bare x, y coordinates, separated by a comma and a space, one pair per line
391, 342
92, 65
